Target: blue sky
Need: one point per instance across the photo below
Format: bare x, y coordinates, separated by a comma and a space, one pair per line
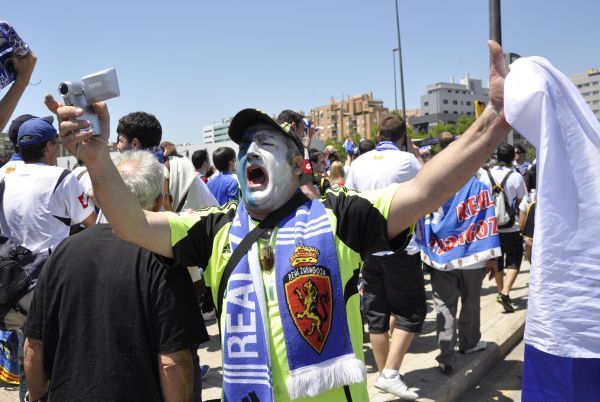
194, 62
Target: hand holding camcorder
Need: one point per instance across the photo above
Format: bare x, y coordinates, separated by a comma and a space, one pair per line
96, 87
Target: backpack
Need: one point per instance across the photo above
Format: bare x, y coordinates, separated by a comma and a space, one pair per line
19, 270
505, 214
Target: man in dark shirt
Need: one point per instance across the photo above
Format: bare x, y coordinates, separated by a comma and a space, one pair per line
110, 320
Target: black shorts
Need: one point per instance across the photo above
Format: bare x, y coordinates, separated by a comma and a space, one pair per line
394, 284
512, 251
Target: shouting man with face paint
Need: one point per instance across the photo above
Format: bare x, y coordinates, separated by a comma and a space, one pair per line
290, 321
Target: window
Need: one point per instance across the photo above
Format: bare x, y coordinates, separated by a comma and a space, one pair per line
445, 101
426, 103
449, 91
465, 92
445, 112
579, 86
426, 113
468, 103
457, 91
455, 112
468, 113
455, 102
595, 83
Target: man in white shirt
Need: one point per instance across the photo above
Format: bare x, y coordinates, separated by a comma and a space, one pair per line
393, 282
40, 200
511, 240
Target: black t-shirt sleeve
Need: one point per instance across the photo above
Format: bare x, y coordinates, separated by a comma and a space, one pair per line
361, 224
192, 235
175, 314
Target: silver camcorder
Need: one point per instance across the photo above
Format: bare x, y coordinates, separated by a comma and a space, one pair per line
96, 87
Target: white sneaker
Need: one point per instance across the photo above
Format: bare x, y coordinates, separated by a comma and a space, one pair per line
481, 345
395, 386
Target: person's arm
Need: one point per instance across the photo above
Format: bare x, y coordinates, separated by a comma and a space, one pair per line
37, 383
23, 68
149, 230
90, 220
176, 376
439, 179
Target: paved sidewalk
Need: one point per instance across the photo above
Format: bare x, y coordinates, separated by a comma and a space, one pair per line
501, 331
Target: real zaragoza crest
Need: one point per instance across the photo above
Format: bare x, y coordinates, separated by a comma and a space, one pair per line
309, 296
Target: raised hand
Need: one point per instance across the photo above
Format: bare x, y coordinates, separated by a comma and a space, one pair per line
24, 67
497, 74
75, 135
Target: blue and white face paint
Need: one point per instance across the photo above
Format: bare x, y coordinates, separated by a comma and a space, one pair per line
266, 176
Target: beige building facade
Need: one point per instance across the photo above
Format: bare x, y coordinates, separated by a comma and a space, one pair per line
588, 84
355, 115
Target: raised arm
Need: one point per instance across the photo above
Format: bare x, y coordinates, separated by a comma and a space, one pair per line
24, 68
149, 230
445, 174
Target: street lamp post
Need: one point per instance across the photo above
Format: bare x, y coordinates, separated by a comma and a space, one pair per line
395, 84
495, 21
401, 72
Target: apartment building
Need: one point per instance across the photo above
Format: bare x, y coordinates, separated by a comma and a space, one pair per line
446, 102
347, 117
588, 84
216, 132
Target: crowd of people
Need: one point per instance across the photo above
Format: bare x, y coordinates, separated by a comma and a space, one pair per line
288, 246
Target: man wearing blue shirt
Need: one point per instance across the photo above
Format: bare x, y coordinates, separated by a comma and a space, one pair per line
224, 186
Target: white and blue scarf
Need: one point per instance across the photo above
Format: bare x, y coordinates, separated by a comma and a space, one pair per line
387, 146
312, 310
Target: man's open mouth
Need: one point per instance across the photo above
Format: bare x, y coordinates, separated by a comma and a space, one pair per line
256, 175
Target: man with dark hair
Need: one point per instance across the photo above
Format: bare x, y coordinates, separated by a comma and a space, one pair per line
201, 163
117, 324
224, 186
511, 240
137, 131
365, 146
297, 126
393, 129
40, 200
288, 303
394, 282
13, 132
318, 164
520, 164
